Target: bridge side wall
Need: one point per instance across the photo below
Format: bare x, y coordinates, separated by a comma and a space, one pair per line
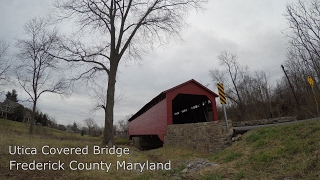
208, 137
152, 122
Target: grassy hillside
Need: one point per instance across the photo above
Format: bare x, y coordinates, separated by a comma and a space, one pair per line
266, 153
273, 153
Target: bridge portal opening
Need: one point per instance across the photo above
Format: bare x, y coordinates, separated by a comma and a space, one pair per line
189, 108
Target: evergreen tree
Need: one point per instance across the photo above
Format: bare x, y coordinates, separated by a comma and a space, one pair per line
13, 96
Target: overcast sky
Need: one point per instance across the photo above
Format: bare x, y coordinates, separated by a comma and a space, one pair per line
253, 29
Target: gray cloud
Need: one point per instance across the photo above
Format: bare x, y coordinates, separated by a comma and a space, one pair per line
251, 29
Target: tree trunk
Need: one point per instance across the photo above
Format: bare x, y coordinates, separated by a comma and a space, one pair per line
32, 117
108, 136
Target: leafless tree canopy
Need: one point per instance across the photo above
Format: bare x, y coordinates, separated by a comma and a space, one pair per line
36, 70
123, 124
4, 62
124, 21
124, 29
303, 58
234, 73
304, 33
89, 122
252, 96
248, 95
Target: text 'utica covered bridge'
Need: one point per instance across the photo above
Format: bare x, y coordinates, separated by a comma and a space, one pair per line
189, 102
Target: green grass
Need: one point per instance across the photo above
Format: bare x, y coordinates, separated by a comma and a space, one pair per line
274, 153
211, 177
232, 156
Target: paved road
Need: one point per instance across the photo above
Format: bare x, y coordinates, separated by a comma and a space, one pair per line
242, 129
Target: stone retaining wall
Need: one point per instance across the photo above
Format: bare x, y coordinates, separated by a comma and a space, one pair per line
209, 137
264, 121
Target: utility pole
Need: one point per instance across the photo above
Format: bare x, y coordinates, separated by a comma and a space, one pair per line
294, 94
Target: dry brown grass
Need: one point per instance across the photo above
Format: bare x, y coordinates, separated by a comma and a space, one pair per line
14, 133
267, 153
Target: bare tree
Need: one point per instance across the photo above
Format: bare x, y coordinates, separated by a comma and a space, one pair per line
244, 90
4, 63
255, 90
304, 32
303, 57
90, 123
126, 29
235, 74
123, 124
36, 70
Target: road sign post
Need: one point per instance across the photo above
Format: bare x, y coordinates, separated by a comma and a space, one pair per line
223, 101
311, 82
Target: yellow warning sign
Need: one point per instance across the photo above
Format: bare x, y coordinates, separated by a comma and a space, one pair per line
310, 80
222, 95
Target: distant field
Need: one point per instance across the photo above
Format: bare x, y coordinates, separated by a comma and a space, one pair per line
266, 153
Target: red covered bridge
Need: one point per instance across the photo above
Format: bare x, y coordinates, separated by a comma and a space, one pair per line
189, 102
